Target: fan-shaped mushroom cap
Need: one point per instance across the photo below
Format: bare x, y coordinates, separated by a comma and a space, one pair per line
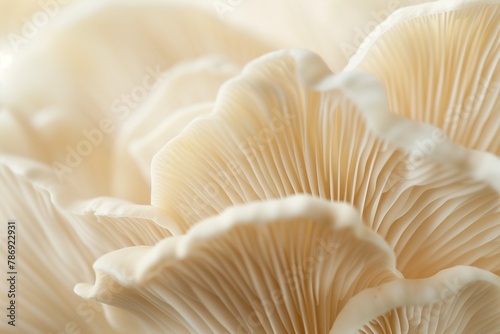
283, 266
439, 63
288, 126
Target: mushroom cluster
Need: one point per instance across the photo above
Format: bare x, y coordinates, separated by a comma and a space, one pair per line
170, 172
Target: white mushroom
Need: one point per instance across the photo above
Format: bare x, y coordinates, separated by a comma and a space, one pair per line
103, 60
98, 51
284, 266
58, 237
186, 91
439, 63
272, 136
456, 300
254, 223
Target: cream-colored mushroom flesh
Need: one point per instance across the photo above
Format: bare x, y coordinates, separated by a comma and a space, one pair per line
240, 191
282, 266
456, 300
58, 237
288, 126
439, 62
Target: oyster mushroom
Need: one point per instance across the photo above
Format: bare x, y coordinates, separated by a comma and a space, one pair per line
286, 126
272, 135
185, 92
282, 266
92, 91
98, 51
447, 73
59, 234
456, 300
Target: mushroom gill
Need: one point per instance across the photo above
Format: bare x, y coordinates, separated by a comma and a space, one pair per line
279, 129
282, 266
440, 64
457, 300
